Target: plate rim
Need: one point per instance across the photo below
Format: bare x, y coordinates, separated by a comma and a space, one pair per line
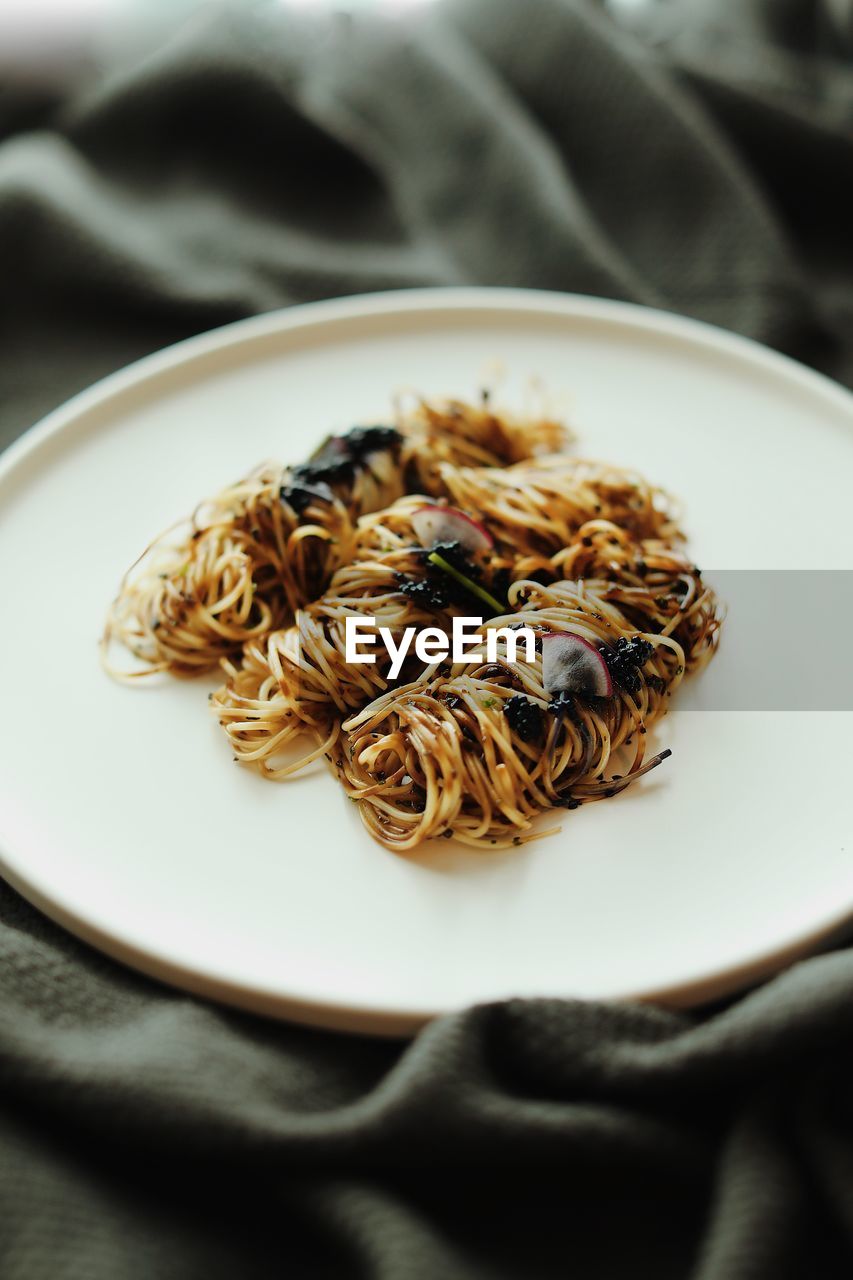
366, 1018
351, 307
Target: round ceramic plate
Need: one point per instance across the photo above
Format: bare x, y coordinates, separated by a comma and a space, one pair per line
123, 817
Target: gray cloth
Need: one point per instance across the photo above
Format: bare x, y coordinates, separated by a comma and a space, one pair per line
700, 162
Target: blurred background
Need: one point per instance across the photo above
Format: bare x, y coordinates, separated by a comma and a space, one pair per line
168, 167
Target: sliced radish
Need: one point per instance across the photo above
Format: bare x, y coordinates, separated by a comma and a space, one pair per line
447, 524
571, 664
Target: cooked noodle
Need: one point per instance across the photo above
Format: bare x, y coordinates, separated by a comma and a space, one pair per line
248, 558
440, 757
314, 682
265, 575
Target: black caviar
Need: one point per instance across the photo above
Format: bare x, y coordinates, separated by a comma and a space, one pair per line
625, 659
439, 590
338, 458
300, 496
455, 555
525, 717
431, 592
564, 704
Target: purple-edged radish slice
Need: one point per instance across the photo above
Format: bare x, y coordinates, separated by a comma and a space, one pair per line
571, 664
448, 524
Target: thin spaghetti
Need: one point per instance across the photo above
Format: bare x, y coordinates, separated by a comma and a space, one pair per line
441, 756
314, 683
249, 557
264, 576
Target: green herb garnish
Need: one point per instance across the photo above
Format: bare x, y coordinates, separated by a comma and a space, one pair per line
467, 583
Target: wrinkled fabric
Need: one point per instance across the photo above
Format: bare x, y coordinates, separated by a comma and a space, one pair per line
690, 156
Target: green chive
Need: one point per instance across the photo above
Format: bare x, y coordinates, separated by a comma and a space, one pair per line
473, 587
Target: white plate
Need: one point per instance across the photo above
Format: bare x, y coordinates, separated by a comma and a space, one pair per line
122, 816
